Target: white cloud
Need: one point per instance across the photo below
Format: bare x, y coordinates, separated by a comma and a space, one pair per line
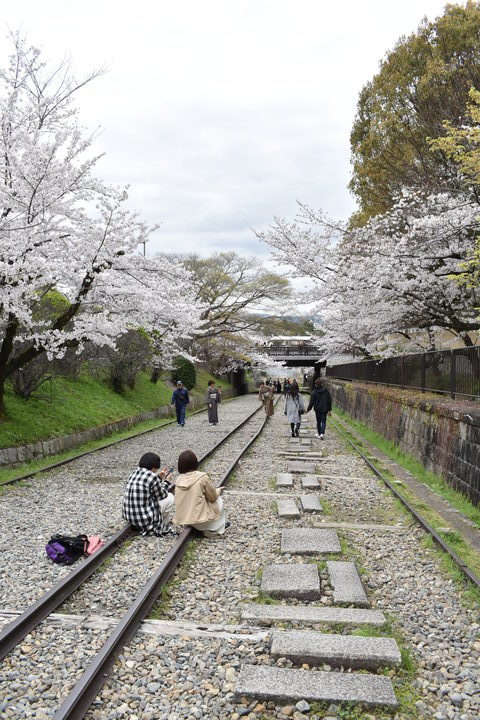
220, 114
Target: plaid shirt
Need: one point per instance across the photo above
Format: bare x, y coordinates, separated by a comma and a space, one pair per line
143, 491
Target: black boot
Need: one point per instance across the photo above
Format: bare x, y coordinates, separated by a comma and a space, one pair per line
292, 425
297, 430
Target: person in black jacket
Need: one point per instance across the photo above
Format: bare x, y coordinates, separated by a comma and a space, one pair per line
321, 401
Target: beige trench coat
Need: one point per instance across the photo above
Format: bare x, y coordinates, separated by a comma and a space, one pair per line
195, 499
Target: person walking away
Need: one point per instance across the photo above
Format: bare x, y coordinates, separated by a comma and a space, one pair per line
148, 501
294, 408
321, 402
197, 500
180, 400
286, 386
211, 399
279, 386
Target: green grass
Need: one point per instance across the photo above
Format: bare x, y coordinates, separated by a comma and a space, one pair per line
415, 467
471, 557
67, 406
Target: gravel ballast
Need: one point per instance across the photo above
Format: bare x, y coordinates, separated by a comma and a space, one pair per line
176, 677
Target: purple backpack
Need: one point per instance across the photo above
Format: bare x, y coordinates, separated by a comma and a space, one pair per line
65, 550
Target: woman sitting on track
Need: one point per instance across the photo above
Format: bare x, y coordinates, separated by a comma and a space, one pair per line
197, 501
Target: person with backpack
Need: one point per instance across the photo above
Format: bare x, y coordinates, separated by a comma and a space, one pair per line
148, 501
321, 402
180, 400
294, 408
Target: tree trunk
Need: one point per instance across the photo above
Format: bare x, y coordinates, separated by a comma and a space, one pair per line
2, 398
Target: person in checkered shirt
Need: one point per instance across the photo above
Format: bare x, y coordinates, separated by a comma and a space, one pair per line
148, 503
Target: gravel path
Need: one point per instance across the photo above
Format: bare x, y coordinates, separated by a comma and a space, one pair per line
85, 496
185, 677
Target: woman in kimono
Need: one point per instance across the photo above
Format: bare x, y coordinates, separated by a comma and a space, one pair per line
294, 409
265, 394
212, 398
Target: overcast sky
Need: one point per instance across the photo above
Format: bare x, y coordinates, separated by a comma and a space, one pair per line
219, 114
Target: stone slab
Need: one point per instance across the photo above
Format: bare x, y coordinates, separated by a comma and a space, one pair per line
298, 466
294, 441
284, 480
285, 685
310, 504
309, 541
287, 508
311, 482
268, 614
346, 583
291, 581
347, 651
305, 441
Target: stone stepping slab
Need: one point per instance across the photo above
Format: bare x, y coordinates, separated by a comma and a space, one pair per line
284, 480
346, 583
309, 541
311, 482
299, 466
310, 504
299, 581
268, 614
287, 508
284, 685
347, 651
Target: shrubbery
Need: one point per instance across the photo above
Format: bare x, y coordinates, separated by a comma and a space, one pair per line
185, 371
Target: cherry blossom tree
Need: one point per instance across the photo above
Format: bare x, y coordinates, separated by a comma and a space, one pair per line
61, 228
389, 278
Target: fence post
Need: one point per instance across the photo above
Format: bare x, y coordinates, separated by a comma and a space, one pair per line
453, 375
403, 372
423, 372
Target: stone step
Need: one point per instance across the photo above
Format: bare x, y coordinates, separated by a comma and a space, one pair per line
310, 503
346, 583
309, 541
306, 441
283, 685
298, 466
311, 482
284, 480
299, 581
268, 614
347, 651
287, 508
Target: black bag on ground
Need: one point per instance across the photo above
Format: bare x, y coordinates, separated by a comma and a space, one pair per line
65, 549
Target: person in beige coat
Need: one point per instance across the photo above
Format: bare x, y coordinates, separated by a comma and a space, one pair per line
197, 500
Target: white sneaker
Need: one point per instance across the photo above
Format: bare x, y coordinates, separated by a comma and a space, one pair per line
317, 435
321, 437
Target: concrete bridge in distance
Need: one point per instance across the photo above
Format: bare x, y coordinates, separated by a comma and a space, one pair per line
294, 355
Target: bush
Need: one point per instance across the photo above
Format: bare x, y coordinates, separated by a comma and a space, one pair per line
185, 371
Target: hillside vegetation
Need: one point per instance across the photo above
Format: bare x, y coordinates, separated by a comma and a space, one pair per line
67, 405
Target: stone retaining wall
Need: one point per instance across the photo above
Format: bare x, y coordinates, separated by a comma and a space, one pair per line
443, 434
43, 448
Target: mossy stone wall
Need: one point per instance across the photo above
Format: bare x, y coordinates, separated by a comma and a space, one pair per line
443, 434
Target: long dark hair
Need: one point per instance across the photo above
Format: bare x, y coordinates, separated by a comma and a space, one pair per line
294, 389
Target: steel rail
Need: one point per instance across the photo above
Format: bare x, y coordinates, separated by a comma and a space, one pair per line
52, 466
463, 567
15, 631
86, 689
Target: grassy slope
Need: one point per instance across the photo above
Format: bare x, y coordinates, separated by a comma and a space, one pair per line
67, 406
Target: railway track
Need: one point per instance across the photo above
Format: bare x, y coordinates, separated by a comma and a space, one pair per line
161, 669
83, 693
464, 569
